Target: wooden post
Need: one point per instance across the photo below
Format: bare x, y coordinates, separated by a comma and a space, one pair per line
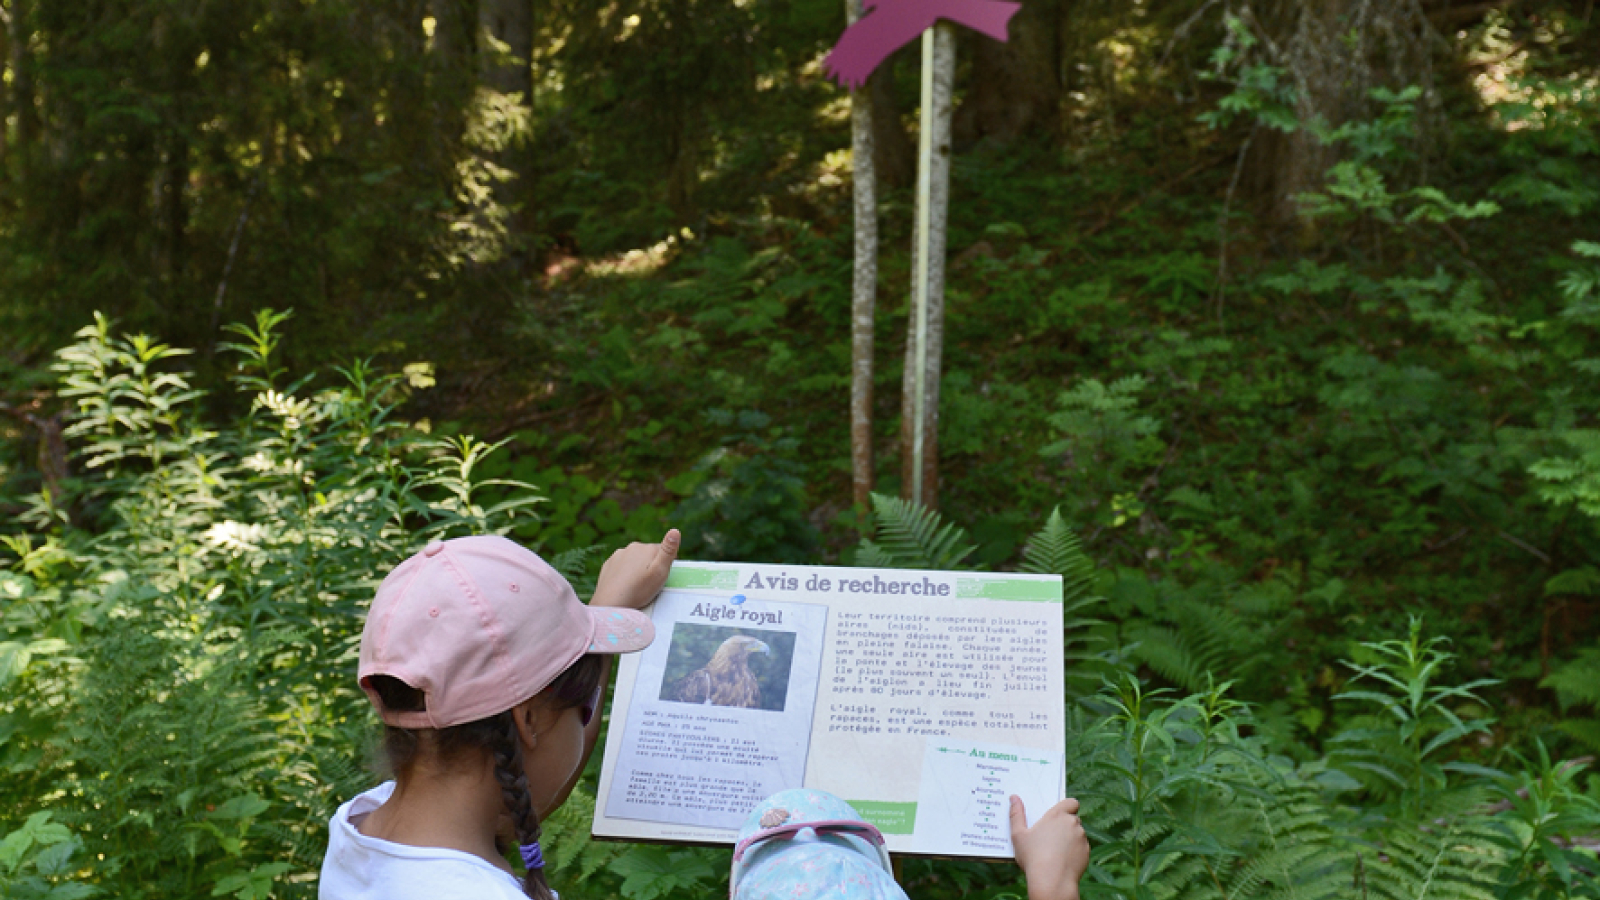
863, 285
925, 340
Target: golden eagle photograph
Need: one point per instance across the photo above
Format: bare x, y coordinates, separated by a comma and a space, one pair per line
711, 665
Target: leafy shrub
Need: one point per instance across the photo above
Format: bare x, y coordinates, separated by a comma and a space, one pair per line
1185, 794
179, 645
747, 496
179, 627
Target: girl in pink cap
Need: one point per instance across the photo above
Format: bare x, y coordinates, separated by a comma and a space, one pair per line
487, 671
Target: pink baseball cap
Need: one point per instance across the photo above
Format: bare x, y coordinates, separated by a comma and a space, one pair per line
480, 624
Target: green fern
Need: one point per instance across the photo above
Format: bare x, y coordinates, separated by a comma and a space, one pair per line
1452, 857
1204, 640
870, 555
910, 536
1577, 683
311, 784
1056, 550
165, 737
1297, 854
574, 565
572, 859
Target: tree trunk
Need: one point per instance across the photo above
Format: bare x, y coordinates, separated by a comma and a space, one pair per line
944, 64
1016, 86
863, 286
683, 166
454, 32
5, 84
894, 157
1335, 53
173, 44
174, 213
22, 98
505, 63
506, 28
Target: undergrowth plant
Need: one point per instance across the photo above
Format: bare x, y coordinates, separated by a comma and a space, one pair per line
177, 635
1186, 794
178, 629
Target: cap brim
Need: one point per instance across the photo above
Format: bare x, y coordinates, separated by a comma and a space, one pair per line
620, 630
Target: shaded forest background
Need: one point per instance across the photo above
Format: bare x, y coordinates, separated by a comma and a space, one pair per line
1291, 309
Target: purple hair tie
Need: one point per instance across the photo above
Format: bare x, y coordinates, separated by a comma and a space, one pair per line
531, 857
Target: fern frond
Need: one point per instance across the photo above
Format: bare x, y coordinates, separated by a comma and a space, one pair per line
573, 563
1055, 550
574, 566
1298, 855
914, 537
570, 855
1166, 651
1578, 681
1449, 853
1203, 640
870, 555
1584, 731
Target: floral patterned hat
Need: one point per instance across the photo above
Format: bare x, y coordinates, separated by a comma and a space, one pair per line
804, 843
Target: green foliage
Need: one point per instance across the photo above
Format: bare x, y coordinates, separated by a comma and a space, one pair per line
1544, 807
652, 872
1100, 427
1573, 477
748, 496
122, 398
47, 848
169, 732
1383, 411
1358, 189
1577, 684
1142, 769
179, 694
1416, 718
1181, 801
910, 536
1192, 637
1447, 859
1055, 550
1261, 90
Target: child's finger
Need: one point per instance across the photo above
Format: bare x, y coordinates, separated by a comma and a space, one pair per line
667, 550
1069, 805
1019, 816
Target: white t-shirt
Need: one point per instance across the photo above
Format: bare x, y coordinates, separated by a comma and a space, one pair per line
359, 867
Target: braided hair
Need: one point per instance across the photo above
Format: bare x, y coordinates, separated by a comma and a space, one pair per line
513, 780
495, 735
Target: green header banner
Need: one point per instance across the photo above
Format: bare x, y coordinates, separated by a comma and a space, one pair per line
889, 818
968, 586
716, 579
1027, 589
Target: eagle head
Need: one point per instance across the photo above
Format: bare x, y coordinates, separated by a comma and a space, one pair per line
735, 651
741, 646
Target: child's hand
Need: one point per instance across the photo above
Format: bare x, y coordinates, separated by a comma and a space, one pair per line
1054, 853
634, 575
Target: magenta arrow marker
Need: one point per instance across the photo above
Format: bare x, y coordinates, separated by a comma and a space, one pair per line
889, 25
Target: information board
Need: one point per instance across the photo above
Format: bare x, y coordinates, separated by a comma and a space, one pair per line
923, 698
